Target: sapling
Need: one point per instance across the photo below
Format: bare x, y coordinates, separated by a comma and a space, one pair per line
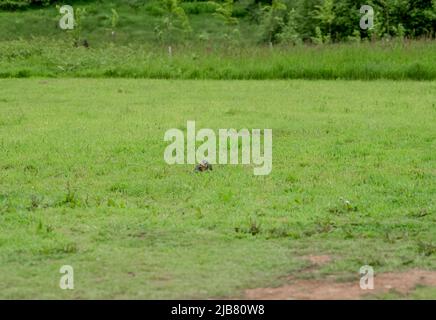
173, 21
224, 12
273, 20
325, 14
79, 15
289, 33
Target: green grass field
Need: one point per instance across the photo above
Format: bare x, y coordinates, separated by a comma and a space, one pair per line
83, 182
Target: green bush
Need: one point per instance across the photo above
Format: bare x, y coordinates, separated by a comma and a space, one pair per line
20, 4
363, 61
323, 20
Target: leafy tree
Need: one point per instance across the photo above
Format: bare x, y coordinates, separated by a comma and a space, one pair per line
174, 22
273, 20
305, 19
224, 12
289, 34
418, 17
325, 15
76, 32
114, 19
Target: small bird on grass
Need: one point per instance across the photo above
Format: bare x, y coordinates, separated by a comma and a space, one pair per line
203, 166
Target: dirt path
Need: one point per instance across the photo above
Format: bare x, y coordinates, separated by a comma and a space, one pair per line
328, 288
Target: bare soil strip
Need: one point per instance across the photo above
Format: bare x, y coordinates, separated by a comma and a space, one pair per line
329, 289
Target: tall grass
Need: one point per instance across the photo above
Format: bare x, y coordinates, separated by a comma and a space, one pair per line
53, 58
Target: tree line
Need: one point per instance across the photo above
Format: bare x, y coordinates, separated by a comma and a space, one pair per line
286, 21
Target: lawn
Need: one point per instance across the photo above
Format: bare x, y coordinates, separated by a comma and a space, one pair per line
83, 183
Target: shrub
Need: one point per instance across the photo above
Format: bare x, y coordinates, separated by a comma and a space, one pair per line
273, 20
20, 4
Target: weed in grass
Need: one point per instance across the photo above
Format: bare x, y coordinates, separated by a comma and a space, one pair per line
426, 248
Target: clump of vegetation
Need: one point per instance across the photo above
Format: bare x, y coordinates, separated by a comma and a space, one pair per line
325, 14
21, 4
70, 198
320, 21
342, 207
174, 23
114, 21
76, 33
426, 248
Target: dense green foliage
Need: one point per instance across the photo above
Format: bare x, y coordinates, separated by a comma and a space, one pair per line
311, 20
392, 60
83, 182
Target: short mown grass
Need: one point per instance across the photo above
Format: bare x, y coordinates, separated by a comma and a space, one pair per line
83, 183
